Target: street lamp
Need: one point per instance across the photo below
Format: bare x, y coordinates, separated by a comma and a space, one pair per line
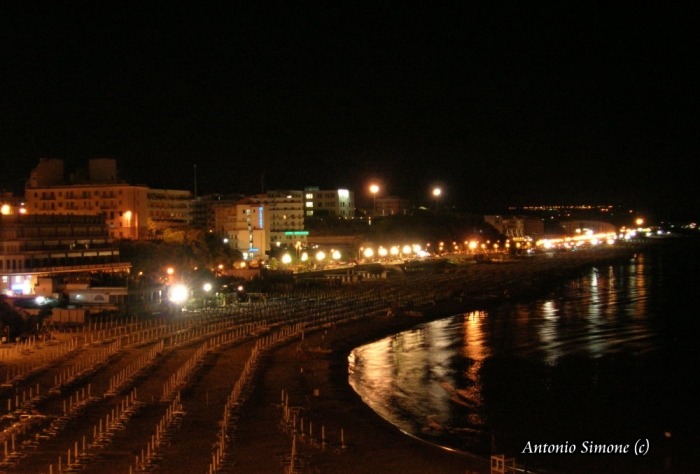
179, 294
320, 257
286, 259
207, 289
436, 194
394, 252
374, 189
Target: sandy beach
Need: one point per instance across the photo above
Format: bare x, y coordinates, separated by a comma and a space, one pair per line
298, 399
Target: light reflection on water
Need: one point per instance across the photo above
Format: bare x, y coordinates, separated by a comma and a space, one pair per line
600, 343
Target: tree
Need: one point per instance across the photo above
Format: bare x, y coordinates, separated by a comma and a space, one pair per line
190, 251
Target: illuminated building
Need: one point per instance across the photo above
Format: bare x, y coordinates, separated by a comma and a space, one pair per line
340, 203
244, 225
124, 207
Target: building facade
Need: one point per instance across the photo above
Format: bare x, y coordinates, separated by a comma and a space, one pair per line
339, 203
127, 209
45, 254
203, 209
169, 209
243, 225
124, 207
516, 227
284, 217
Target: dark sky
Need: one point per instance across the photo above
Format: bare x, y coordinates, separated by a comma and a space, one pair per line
507, 104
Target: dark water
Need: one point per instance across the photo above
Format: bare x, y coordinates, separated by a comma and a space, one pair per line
609, 358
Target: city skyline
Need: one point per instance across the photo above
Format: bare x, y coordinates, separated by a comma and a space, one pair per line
509, 106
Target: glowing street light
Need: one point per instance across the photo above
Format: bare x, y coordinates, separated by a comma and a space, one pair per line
374, 189
286, 259
178, 294
436, 194
207, 288
394, 251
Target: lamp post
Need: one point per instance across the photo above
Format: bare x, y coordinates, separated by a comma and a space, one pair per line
436, 194
207, 288
286, 259
320, 256
374, 189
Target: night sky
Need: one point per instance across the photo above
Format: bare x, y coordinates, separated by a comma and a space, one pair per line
514, 103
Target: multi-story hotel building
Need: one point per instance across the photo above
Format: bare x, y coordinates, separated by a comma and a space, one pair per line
243, 225
124, 207
284, 217
256, 224
127, 209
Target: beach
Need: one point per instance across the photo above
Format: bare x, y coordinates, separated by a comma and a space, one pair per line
296, 398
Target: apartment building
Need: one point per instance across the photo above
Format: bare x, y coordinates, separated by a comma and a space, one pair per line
339, 202
127, 209
46, 254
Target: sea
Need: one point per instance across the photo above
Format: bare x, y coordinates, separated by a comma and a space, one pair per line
601, 375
